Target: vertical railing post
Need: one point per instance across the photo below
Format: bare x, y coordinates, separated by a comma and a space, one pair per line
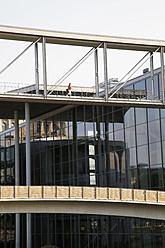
162, 72
44, 66
152, 74
28, 171
105, 71
36, 69
96, 73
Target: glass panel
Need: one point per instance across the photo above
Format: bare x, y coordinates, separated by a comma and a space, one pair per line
157, 177
142, 152
163, 128
155, 153
141, 134
140, 85
129, 117
154, 131
143, 177
153, 114
131, 158
130, 137
140, 115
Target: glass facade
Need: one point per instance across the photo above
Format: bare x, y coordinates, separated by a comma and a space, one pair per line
92, 231
89, 145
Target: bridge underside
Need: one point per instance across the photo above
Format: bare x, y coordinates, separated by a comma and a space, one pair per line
40, 105
146, 211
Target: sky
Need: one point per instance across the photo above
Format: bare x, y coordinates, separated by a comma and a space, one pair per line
128, 18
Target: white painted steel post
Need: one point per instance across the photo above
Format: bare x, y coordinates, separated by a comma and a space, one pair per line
44, 66
96, 73
152, 74
162, 72
105, 71
17, 175
28, 171
36, 68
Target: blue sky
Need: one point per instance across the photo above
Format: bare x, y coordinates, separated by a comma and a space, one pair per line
128, 18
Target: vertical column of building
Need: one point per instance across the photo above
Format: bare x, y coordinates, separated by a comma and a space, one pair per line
36, 68
44, 66
162, 72
152, 75
17, 175
96, 73
28, 171
105, 72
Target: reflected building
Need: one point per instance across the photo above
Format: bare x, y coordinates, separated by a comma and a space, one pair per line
90, 145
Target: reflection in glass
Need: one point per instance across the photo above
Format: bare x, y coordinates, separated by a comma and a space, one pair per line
142, 153
154, 131
155, 153
130, 137
141, 134
129, 117
140, 115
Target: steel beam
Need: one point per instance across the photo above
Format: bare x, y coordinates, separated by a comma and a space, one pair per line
96, 73
152, 74
36, 68
44, 66
105, 71
162, 73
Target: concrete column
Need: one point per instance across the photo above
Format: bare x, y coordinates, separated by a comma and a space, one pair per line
36, 69
28, 162
44, 66
17, 171
152, 75
105, 71
96, 74
28, 172
17, 175
162, 72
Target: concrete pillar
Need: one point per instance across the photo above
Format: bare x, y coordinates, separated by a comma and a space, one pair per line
28, 172
17, 171
36, 69
44, 66
17, 175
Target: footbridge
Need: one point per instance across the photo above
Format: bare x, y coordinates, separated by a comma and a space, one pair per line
137, 203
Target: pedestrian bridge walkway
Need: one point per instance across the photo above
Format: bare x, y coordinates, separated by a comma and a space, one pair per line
83, 200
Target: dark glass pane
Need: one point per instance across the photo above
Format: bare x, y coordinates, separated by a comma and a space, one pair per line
143, 177
157, 177
142, 152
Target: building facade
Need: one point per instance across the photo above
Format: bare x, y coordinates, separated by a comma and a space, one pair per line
91, 145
